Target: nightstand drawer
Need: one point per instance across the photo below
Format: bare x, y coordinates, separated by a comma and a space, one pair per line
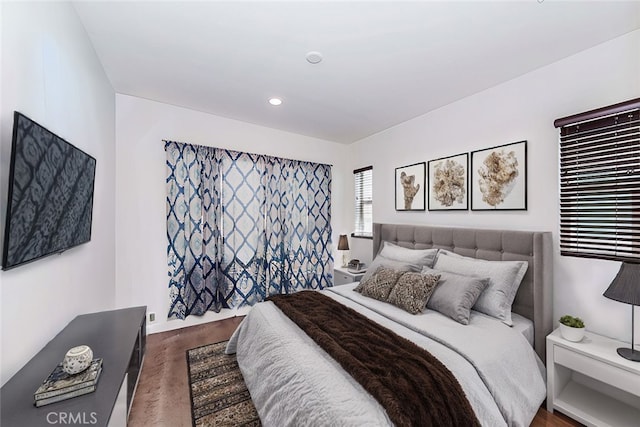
342, 278
602, 371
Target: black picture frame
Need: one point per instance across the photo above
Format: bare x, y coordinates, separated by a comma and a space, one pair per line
410, 187
448, 180
499, 178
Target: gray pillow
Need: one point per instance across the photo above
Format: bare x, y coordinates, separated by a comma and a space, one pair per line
412, 291
455, 294
504, 280
380, 284
421, 257
381, 261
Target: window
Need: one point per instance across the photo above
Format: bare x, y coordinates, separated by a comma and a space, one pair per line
363, 179
600, 183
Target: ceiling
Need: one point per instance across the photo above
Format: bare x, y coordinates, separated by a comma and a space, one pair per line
384, 62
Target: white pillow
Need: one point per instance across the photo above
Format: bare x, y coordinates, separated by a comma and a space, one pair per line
504, 280
381, 261
422, 257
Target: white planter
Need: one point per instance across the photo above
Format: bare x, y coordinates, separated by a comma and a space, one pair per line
571, 334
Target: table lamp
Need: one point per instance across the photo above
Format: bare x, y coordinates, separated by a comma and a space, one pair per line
343, 245
625, 288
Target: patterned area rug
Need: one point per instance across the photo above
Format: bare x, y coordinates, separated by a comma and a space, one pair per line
219, 396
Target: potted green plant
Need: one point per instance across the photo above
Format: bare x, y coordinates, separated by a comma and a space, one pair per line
571, 328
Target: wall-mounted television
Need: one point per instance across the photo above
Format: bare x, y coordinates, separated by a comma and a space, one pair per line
50, 197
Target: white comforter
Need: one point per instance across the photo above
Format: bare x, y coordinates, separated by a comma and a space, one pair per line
293, 382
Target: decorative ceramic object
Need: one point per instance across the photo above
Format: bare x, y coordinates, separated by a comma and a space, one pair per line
77, 359
571, 334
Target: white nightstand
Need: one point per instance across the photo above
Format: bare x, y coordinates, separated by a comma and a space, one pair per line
591, 383
342, 276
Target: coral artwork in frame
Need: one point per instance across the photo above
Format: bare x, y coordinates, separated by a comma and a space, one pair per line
499, 178
448, 183
410, 191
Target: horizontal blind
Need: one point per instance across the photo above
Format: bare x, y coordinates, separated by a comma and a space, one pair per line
363, 180
600, 186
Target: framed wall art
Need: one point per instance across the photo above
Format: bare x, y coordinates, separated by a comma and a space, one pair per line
410, 183
499, 178
448, 183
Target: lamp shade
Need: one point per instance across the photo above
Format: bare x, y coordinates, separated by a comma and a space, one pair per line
625, 287
343, 243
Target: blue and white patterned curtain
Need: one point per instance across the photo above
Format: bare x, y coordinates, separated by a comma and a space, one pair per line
243, 226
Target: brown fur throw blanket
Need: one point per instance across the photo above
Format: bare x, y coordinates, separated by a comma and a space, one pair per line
414, 387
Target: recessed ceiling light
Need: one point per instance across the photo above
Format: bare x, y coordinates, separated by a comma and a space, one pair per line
314, 57
275, 101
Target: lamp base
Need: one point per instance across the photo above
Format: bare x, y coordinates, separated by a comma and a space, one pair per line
630, 354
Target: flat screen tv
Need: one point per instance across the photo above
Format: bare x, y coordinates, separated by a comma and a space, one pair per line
50, 197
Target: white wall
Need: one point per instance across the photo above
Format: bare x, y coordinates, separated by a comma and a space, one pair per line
54, 77
521, 109
141, 242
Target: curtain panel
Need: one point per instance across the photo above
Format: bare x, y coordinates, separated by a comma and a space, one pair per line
242, 227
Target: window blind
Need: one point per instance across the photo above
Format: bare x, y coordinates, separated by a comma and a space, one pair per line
600, 183
363, 180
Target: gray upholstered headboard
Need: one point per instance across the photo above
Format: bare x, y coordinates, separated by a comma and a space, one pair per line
533, 299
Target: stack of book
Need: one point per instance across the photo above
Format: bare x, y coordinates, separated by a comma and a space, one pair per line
61, 386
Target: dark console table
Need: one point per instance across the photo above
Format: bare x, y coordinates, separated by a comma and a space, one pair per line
118, 336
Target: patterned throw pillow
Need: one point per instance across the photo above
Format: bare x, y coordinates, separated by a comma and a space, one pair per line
412, 291
380, 284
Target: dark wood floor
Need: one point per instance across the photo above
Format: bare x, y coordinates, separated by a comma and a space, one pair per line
162, 397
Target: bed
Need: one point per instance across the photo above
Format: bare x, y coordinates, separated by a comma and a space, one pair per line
498, 365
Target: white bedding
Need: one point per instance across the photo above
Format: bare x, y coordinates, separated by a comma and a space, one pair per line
524, 326
294, 382
520, 323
